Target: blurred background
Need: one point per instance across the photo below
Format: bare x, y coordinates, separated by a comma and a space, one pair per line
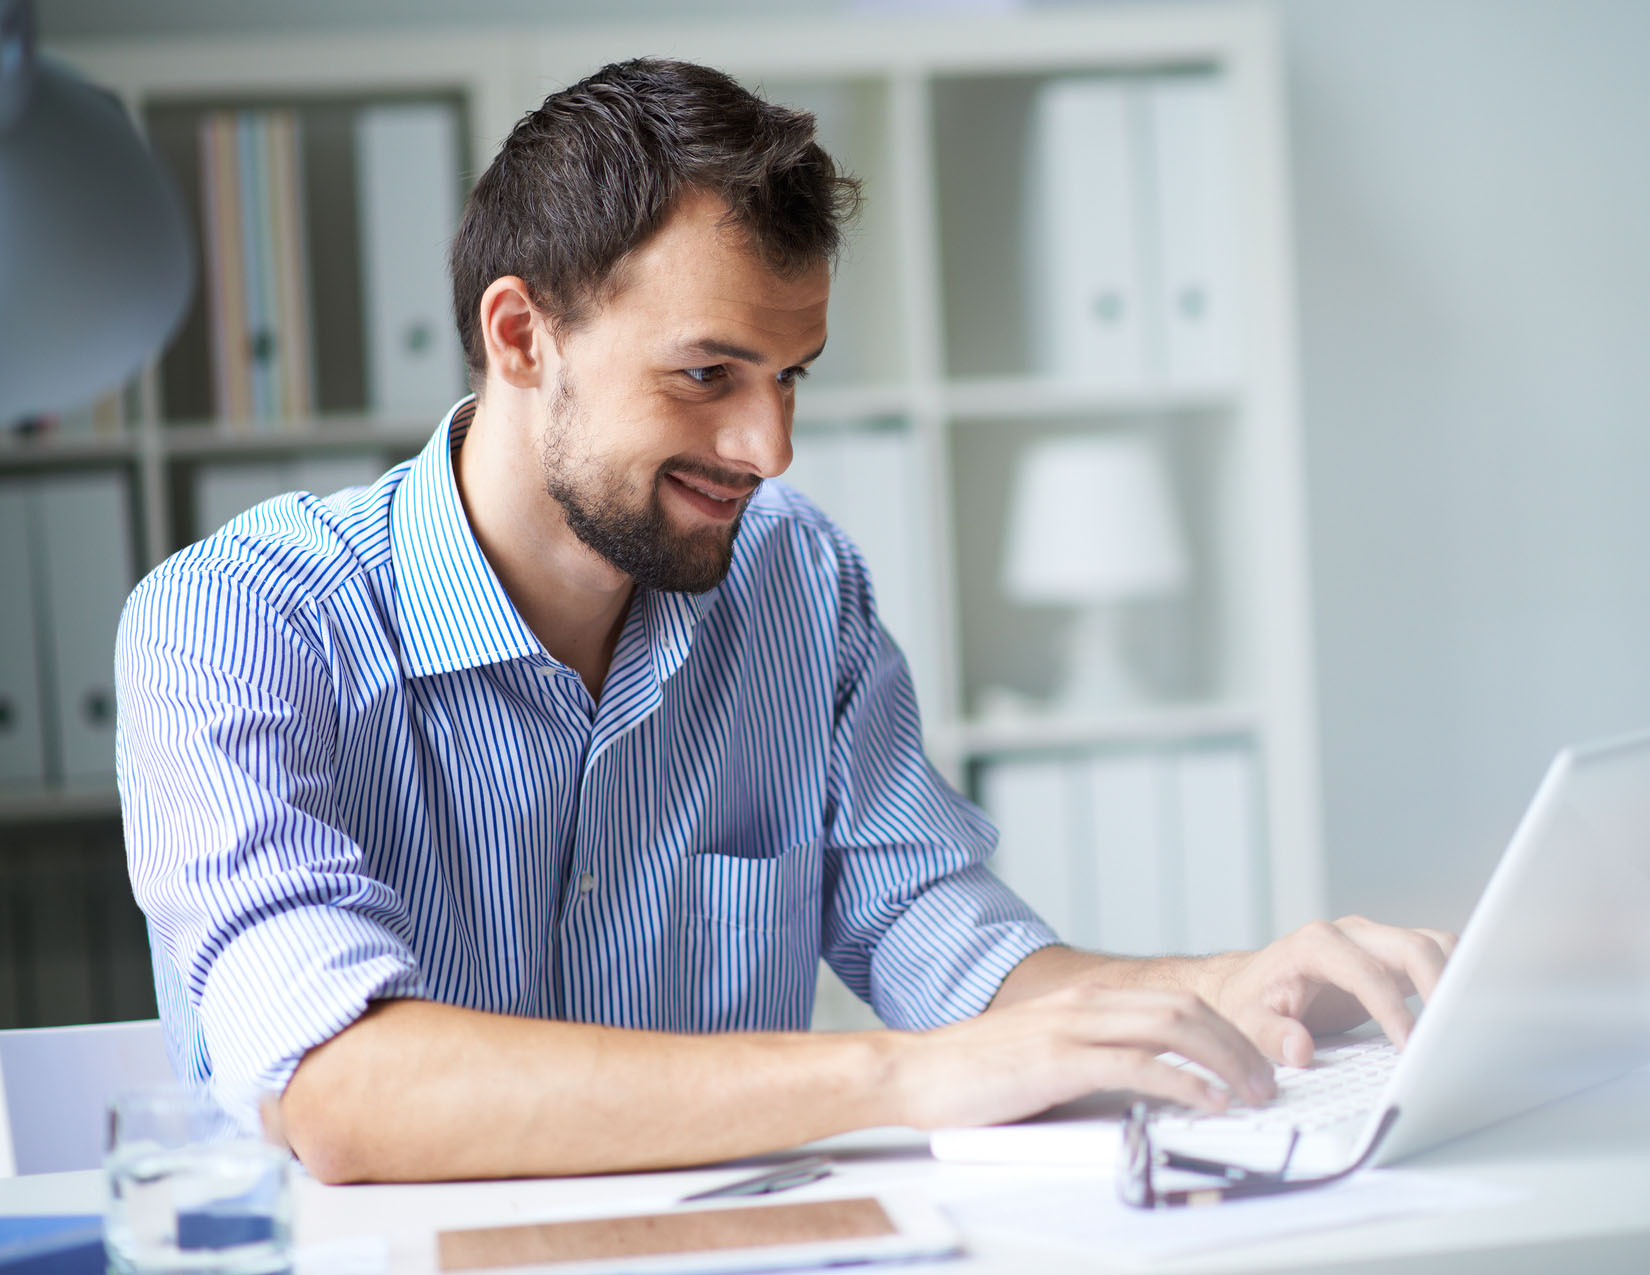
1466, 196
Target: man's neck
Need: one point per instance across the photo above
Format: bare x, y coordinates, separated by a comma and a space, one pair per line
574, 603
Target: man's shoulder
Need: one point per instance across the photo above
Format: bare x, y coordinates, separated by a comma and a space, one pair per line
296, 547
791, 557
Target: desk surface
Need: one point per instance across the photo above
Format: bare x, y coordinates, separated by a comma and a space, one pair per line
1577, 1173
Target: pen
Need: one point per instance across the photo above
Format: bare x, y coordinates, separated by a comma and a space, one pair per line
783, 1178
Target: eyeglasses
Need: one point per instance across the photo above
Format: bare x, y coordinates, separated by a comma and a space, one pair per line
1138, 1159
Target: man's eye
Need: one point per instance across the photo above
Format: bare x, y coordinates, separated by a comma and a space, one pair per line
706, 375
791, 375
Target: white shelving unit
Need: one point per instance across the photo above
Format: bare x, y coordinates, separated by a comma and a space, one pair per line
927, 338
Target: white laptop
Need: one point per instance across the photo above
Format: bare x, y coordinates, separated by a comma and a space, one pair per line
1547, 994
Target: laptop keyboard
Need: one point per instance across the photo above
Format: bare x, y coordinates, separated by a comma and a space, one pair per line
1342, 1084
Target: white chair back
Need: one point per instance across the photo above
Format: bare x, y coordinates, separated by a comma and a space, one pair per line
55, 1085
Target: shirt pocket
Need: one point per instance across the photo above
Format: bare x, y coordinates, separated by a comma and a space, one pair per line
752, 940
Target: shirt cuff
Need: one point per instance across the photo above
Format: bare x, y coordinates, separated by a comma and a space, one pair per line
945, 958
292, 981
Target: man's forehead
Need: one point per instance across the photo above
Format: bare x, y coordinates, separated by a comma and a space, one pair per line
710, 313
705, 294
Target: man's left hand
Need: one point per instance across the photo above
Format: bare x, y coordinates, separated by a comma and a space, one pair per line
1327, 977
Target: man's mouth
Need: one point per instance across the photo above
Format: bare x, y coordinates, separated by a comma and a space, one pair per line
713, 500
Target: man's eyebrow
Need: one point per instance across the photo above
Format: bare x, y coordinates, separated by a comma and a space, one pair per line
711, 348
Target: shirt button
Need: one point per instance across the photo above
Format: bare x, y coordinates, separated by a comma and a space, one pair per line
587, 882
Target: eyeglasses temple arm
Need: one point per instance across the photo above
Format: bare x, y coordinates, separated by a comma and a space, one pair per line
1171, 1159
1258, 1185
1289, 1151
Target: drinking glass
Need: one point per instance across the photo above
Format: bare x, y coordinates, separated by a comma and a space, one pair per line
190, 1193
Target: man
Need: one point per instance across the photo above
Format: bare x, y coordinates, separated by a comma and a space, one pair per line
496, 817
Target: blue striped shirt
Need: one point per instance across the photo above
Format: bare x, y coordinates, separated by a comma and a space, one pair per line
349, 771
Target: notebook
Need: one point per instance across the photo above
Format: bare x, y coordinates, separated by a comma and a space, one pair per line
705, 1239
1547, 993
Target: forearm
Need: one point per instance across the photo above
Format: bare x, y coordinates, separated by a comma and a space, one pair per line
418, 1091
1050, 969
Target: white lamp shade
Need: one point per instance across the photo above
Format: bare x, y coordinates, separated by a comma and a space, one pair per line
1091, 519
96, 267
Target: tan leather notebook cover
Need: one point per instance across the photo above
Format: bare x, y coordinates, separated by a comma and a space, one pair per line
656, 1234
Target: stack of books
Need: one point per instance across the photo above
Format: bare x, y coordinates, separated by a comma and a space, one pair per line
256, 269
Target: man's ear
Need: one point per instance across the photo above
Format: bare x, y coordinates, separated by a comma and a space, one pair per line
520, 350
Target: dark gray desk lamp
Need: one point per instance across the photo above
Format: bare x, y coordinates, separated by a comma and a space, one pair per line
96, 262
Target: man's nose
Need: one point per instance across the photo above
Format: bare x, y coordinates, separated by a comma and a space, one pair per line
757, 436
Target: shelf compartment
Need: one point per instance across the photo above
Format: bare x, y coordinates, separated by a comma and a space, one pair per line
1084, 223
331, 318
1173, 645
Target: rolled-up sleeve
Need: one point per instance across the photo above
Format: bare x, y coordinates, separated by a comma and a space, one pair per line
914, 922
258, 902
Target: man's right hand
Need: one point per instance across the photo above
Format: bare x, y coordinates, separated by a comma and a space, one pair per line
1017, 1060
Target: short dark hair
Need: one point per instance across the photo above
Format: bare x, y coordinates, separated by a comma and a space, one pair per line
588, 177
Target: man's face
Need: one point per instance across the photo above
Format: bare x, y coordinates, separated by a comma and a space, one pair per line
675, 400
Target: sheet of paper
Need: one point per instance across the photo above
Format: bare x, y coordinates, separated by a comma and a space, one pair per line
356, 1255
1084, 1213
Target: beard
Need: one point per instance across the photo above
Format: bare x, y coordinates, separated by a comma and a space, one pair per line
633, 534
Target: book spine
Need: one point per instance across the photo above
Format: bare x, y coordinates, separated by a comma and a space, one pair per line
259, 339
222, 254
237, 366
291, 267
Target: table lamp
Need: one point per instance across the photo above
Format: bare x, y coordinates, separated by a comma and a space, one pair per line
1092, 524
96, 264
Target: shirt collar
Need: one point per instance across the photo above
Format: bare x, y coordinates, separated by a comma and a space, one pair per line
451, 610
671, 619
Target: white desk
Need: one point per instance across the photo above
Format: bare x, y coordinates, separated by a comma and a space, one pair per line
1581, 1169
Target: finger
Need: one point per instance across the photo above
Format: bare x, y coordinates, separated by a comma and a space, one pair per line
1416, 952
1332, 957
1185, 1024
1141, 1072
1280, 1037
1443, 938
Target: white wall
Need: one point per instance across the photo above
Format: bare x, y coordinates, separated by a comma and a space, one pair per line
1473, 214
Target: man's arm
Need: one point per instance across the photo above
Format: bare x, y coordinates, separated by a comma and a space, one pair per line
416, 1090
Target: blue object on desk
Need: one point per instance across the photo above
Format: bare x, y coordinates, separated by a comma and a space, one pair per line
55, 1245
207, 1229
73, 1245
